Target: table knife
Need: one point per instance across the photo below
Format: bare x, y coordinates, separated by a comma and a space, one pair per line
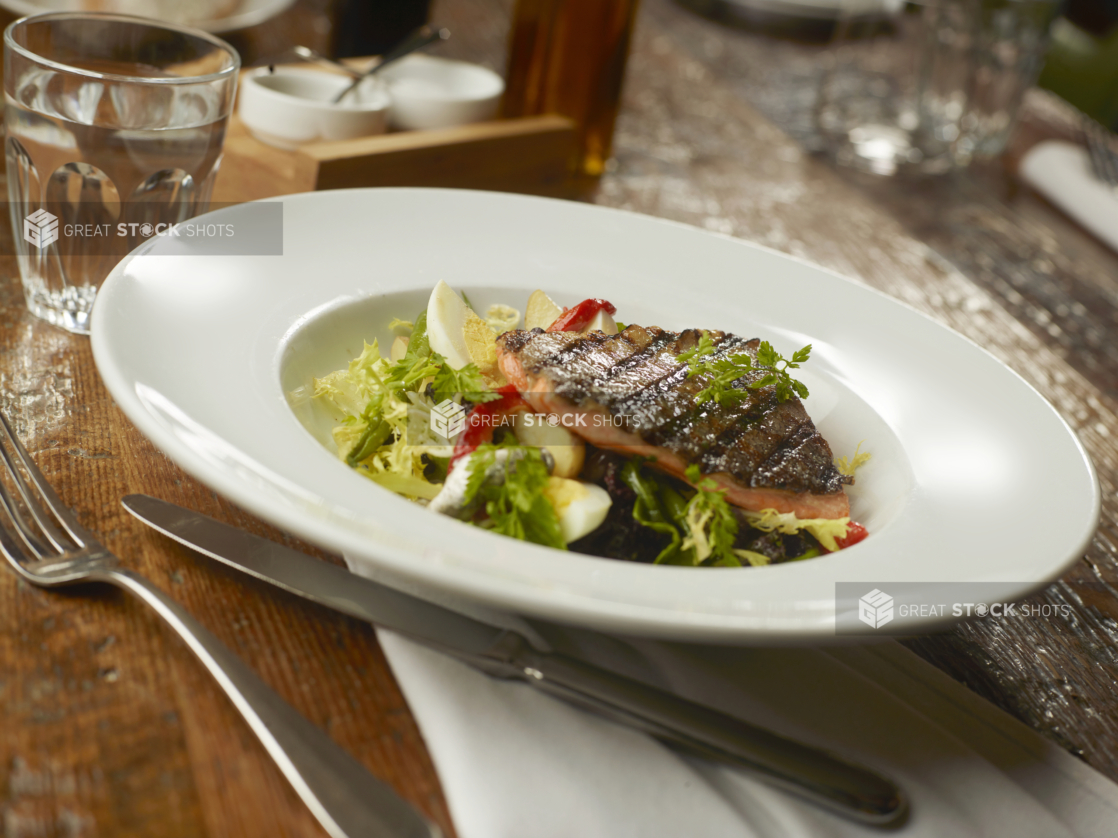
827, 780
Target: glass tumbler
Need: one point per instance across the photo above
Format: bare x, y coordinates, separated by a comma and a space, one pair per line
114, 125
927, 86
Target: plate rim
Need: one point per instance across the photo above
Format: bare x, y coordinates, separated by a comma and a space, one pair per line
562, 606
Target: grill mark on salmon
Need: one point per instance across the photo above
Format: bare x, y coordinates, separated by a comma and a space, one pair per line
637, 399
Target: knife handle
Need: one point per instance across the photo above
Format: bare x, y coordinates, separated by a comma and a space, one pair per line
846, 788
346, 799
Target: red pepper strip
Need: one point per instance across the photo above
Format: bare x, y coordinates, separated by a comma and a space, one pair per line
578, 317
854, 533
479, 427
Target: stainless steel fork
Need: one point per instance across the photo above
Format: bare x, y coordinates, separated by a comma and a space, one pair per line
1104, 159
46, 545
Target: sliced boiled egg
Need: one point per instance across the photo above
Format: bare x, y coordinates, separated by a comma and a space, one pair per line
580, 507
446, 321
459, 335
481, 345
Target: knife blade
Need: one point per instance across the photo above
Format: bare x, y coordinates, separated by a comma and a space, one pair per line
843, 787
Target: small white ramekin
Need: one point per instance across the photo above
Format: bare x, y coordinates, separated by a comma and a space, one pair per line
292, 106
429, 92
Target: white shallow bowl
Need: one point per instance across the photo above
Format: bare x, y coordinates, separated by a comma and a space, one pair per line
247, 13
429, 92
974, 477
292, 106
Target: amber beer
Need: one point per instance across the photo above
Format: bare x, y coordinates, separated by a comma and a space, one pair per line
568, 57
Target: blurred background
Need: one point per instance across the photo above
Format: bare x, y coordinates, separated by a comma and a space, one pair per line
771, 51
773, 55
775, 44
1082, 64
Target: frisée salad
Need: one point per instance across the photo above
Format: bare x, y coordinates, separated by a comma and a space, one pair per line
434, 417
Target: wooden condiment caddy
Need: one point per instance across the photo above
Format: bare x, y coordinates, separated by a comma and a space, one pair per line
527, 154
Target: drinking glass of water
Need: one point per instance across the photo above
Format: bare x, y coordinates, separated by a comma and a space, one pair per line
928, 85
114, 127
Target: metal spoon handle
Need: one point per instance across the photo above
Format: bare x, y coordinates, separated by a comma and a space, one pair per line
423, 36
308, 54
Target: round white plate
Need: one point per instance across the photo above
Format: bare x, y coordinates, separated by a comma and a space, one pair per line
974, 477
248, 13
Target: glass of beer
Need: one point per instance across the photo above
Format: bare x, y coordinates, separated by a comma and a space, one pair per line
115, 125
568, 57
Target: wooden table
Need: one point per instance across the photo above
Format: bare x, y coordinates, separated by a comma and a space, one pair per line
111, 728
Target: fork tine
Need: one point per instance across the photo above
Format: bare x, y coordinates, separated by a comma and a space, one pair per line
78, 535
28, 536
12, 551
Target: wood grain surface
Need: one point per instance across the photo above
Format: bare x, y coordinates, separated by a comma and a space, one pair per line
110, 725
112, 729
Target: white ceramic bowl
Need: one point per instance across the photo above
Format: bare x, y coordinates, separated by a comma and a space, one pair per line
292, 106
429, 92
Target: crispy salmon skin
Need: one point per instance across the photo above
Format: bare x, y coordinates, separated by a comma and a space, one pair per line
630, 393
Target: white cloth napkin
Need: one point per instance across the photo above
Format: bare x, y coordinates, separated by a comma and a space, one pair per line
1062, 173
517, 764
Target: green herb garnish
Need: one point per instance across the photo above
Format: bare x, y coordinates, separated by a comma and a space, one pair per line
406, 374
723, 372
700, 526
712, 527
376, 433
704, 347
468, 381
516, 506
658, 507
420, 363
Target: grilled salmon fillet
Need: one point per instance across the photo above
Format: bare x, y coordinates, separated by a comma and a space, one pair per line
630, 393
